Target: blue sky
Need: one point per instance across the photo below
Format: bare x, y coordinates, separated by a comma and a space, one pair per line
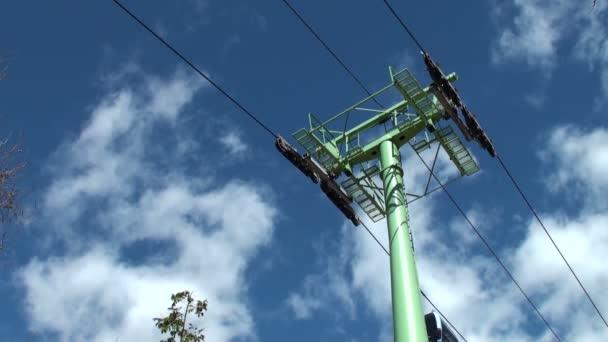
143, 180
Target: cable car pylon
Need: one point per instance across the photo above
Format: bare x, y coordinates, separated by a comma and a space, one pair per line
371, 173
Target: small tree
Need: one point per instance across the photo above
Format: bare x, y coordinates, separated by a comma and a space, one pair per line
175, 323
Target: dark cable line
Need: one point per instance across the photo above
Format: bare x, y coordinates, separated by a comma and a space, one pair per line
196, 69
518, 189
504, 167
392, 10
422, 292
442, 315
270, 131
177, 53
432, 173
492, 251
522, 195
356, 79
375, 238
183, 58
314, 33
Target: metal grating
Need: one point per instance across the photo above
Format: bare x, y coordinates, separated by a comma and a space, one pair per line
315, 148
414, 94
366, 193
461, 157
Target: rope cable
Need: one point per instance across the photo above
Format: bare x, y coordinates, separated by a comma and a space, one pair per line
525, 198
331, 52
195, 68
409, 32
492, 251
358, 81
259, 122
422, 292
518, 188
271, 132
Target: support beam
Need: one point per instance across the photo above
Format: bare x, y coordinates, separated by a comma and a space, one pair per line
323, 144
408, 317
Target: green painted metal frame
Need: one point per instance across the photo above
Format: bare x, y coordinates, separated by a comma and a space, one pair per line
325, 145
328, 142
342, 151
408, 317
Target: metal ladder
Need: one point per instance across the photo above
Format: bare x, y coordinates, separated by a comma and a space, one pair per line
461, 157
370, 202
413, 93
315, 148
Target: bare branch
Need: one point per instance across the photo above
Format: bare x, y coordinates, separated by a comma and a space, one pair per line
10, 196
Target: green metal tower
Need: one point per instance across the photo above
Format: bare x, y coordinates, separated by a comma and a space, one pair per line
369, 157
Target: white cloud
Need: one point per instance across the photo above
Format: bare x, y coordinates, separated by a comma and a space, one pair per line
583, 241
367, 274
111, 149
536, 100
169, 98
535, 32
108, 194
470, 287
233, 142
261, 21
326, 289
474, 294
483, 218
231, 42
578, 166
212, 254
540, 29
404, 59
580, 162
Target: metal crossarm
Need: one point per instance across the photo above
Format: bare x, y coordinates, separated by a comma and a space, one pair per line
459, 155
341, 150
324, 154
423, 144
413, 93
366, 193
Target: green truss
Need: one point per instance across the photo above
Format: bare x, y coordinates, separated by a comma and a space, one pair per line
342, 150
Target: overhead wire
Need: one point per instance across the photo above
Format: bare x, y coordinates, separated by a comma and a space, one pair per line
195, 68
240, 106
525, 198
358, 81
409, 32
518, 188
271, 132
422, 292
299, 16
504, 267
331, 52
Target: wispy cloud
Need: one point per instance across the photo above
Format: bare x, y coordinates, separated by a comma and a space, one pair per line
534, 33
261, 21
233, 142
539, 30
108, 194
469, 286
577, 166
577, 161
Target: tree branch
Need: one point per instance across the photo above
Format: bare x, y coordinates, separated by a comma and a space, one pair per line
181, 334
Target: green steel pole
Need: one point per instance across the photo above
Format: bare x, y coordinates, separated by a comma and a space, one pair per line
408, 317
